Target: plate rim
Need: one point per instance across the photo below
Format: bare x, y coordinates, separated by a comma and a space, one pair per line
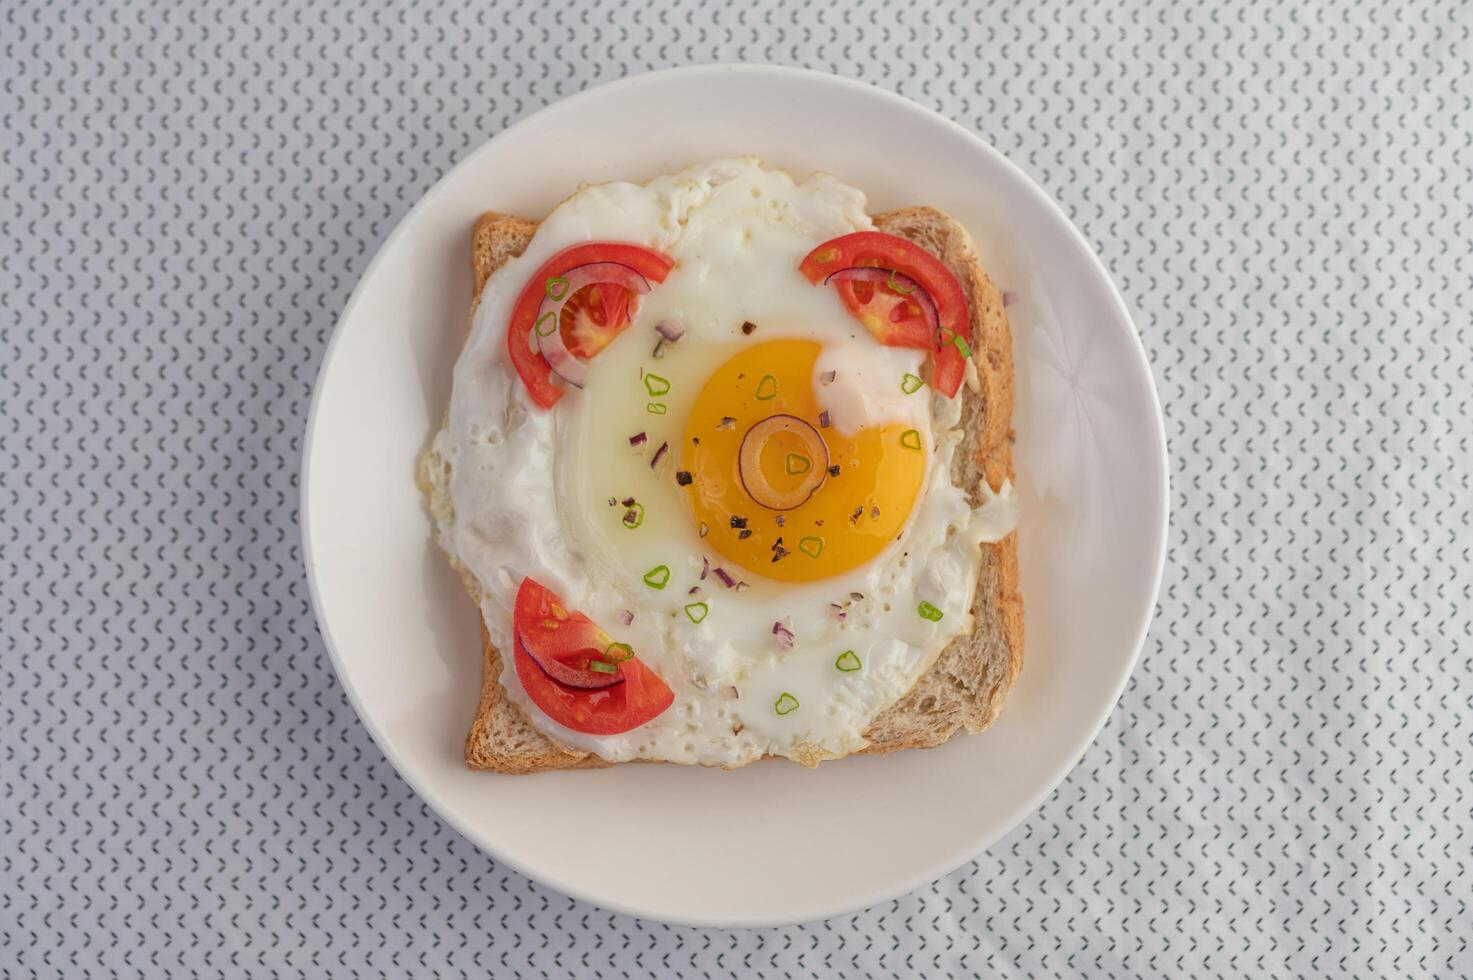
921, 877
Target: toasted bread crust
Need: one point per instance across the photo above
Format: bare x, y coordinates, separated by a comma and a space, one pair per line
966, 685
502, 738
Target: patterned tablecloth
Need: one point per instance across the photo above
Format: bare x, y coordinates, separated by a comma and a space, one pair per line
1282, 192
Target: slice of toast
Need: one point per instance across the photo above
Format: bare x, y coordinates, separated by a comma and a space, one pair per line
965, 687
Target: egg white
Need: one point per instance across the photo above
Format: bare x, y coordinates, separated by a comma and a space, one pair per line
530, 487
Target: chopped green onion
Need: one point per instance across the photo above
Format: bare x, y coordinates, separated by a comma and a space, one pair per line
550, 315
786, 704
910, 384
603, 667
697, 611
767, 388
910, 439
848, 662
656, 385
634, 516
962, 345
656, 408
657, 577
896, 287
928, 611
796, 464
812, 547
552, 288
624, 652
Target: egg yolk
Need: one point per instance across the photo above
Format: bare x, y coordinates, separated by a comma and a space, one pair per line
777, 491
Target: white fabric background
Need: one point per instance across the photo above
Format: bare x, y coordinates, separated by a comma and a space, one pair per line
1282, 191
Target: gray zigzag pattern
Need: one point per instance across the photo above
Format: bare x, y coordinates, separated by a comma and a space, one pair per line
1281, 190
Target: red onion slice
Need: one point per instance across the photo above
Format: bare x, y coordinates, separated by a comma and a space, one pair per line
908, 287
577, 677
749, 462
548, 339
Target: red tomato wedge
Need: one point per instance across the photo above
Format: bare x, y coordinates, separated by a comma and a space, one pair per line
904, 295
589, 322
547, 631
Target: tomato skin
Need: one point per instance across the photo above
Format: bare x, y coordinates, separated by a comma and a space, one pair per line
530, 365
572, 638
948, 369
877, 309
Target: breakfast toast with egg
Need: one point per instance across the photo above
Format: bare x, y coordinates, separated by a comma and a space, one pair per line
965, 686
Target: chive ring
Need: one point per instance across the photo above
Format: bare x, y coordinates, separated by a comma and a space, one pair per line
550, 315
602, 666
848, 662
898, 287
767, 388
796, 463
910, 384
786, 704
634, 516
657, 408
657, 577
910, 439
617, 652
811, 546
552, 288
697, 611
929, 612
656, 385
962, 345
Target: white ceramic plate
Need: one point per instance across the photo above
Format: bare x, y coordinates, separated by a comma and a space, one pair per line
772, 843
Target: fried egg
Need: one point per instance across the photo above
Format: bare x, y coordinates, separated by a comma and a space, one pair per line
762, 509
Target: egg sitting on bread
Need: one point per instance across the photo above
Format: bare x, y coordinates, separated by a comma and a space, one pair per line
698, 469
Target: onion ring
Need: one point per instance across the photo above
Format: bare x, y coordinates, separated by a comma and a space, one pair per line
749, 462
908, 287
547, 337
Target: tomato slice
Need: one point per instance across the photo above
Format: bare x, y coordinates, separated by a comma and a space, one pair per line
894, 316
593, 333
593, 317
543, 624
948, 368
